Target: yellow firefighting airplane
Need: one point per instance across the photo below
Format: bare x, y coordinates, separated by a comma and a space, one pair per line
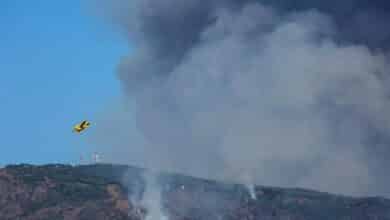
81, 126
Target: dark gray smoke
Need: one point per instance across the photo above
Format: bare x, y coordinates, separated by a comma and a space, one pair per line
287, 93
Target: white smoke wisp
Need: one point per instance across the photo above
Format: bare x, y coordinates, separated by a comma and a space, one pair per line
151, 199
272, 95
252, 191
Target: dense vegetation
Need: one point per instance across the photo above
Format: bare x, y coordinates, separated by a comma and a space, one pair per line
56, 191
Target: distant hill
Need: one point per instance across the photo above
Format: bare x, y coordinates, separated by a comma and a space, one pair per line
97, 192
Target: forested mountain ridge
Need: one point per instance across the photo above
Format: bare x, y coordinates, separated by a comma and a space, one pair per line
105, 191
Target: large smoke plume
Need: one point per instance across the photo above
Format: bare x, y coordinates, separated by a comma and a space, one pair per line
286, 93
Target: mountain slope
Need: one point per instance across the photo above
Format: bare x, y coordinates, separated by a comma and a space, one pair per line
102, 191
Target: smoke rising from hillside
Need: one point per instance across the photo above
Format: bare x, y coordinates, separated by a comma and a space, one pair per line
273, 94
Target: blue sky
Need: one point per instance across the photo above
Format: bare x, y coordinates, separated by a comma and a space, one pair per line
57, 67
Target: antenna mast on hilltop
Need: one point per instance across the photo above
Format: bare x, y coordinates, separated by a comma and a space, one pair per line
96, 157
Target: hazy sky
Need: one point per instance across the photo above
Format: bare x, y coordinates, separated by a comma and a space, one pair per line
49, 51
